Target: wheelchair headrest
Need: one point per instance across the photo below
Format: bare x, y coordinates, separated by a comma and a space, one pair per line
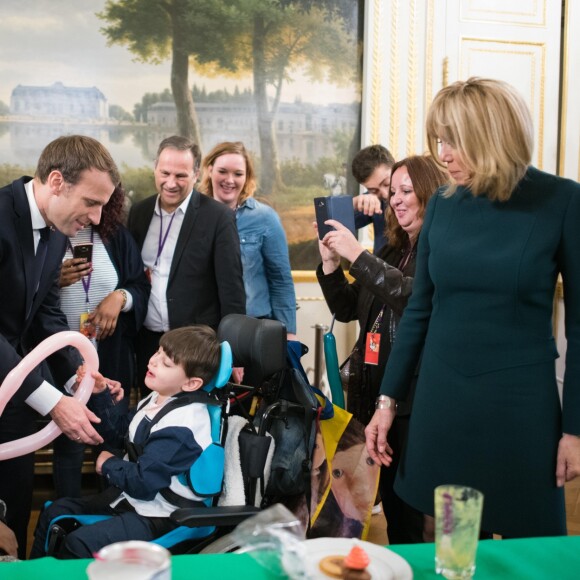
258, 345
224, 370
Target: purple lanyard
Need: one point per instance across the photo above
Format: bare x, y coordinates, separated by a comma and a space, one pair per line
163, 238
87, 282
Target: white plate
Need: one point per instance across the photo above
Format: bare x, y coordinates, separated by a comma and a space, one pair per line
384, 564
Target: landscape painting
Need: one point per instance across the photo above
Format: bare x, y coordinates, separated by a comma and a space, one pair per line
283, 76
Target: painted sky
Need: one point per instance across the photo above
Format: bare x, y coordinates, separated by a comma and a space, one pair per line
44, 41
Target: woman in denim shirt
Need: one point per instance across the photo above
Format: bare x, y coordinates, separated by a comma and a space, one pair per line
229, 177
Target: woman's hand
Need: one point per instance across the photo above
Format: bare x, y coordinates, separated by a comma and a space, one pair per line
73, 270
330, 259
342, 241
376, 435
568, 460
106, 314
8, 541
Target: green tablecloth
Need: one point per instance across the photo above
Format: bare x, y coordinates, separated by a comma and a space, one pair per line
531, 559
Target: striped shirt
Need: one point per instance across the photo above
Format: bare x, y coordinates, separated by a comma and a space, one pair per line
103, 281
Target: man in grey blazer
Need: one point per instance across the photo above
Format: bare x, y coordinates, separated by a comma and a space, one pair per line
190, 246
74, 179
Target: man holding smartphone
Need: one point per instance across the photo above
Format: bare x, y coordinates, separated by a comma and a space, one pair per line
74, 179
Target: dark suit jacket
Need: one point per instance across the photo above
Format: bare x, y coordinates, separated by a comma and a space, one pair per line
205, 281
25, 318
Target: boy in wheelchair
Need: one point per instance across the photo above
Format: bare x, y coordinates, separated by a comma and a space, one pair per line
166, 434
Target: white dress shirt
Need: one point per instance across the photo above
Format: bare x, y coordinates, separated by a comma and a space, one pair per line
43, 399
157, 319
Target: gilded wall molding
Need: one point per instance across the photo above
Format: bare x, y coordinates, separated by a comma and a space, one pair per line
489, 13
564, 101
394, 78
412, 79
429, 55
376, 84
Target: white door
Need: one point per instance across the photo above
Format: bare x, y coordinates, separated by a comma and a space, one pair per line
517, 41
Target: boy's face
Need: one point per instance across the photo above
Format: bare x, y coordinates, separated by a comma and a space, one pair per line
379, 182
166, 377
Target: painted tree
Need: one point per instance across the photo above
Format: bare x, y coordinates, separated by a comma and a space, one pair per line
272, 39
275, 39
155, 30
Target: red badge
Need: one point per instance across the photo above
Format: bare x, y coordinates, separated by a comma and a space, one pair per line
372, 348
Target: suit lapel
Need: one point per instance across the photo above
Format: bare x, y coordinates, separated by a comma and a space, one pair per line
23, 227
185, 232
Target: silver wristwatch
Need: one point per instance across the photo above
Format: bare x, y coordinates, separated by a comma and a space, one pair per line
384, 402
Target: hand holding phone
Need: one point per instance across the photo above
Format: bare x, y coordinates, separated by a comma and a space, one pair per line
83, 251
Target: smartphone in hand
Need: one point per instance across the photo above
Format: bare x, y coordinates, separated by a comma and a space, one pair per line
83, 251
337, 207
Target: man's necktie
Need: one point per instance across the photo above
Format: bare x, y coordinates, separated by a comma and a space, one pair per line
40, 255
39, 259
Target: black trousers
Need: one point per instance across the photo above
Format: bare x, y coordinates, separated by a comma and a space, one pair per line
17, 475
404, 523
125, 524
146, 345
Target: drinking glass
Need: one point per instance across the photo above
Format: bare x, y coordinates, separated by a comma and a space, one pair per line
457, 522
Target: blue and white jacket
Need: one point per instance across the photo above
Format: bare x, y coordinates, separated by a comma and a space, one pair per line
173, 445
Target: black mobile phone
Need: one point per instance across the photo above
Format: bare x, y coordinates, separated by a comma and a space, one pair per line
83, 251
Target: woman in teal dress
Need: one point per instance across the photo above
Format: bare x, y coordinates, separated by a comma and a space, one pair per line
487, 411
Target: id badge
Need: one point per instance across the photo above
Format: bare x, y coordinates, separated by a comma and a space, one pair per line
373, 343
88, 328
148, 274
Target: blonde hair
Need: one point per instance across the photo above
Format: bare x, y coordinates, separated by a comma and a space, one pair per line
490, 126
426, 176
225, 148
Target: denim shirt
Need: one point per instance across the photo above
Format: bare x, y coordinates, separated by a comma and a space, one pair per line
267, 275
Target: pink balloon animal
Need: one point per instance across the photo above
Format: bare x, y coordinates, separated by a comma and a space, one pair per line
16, 376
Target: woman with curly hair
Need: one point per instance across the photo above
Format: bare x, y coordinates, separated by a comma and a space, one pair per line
105, 299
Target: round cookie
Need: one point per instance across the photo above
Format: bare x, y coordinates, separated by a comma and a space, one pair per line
332, 566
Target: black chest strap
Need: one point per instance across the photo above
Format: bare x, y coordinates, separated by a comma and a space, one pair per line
135, 450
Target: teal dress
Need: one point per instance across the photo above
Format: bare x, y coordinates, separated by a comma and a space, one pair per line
487, 412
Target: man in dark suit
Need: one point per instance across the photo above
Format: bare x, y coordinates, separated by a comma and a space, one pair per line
74, 178
190, 247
